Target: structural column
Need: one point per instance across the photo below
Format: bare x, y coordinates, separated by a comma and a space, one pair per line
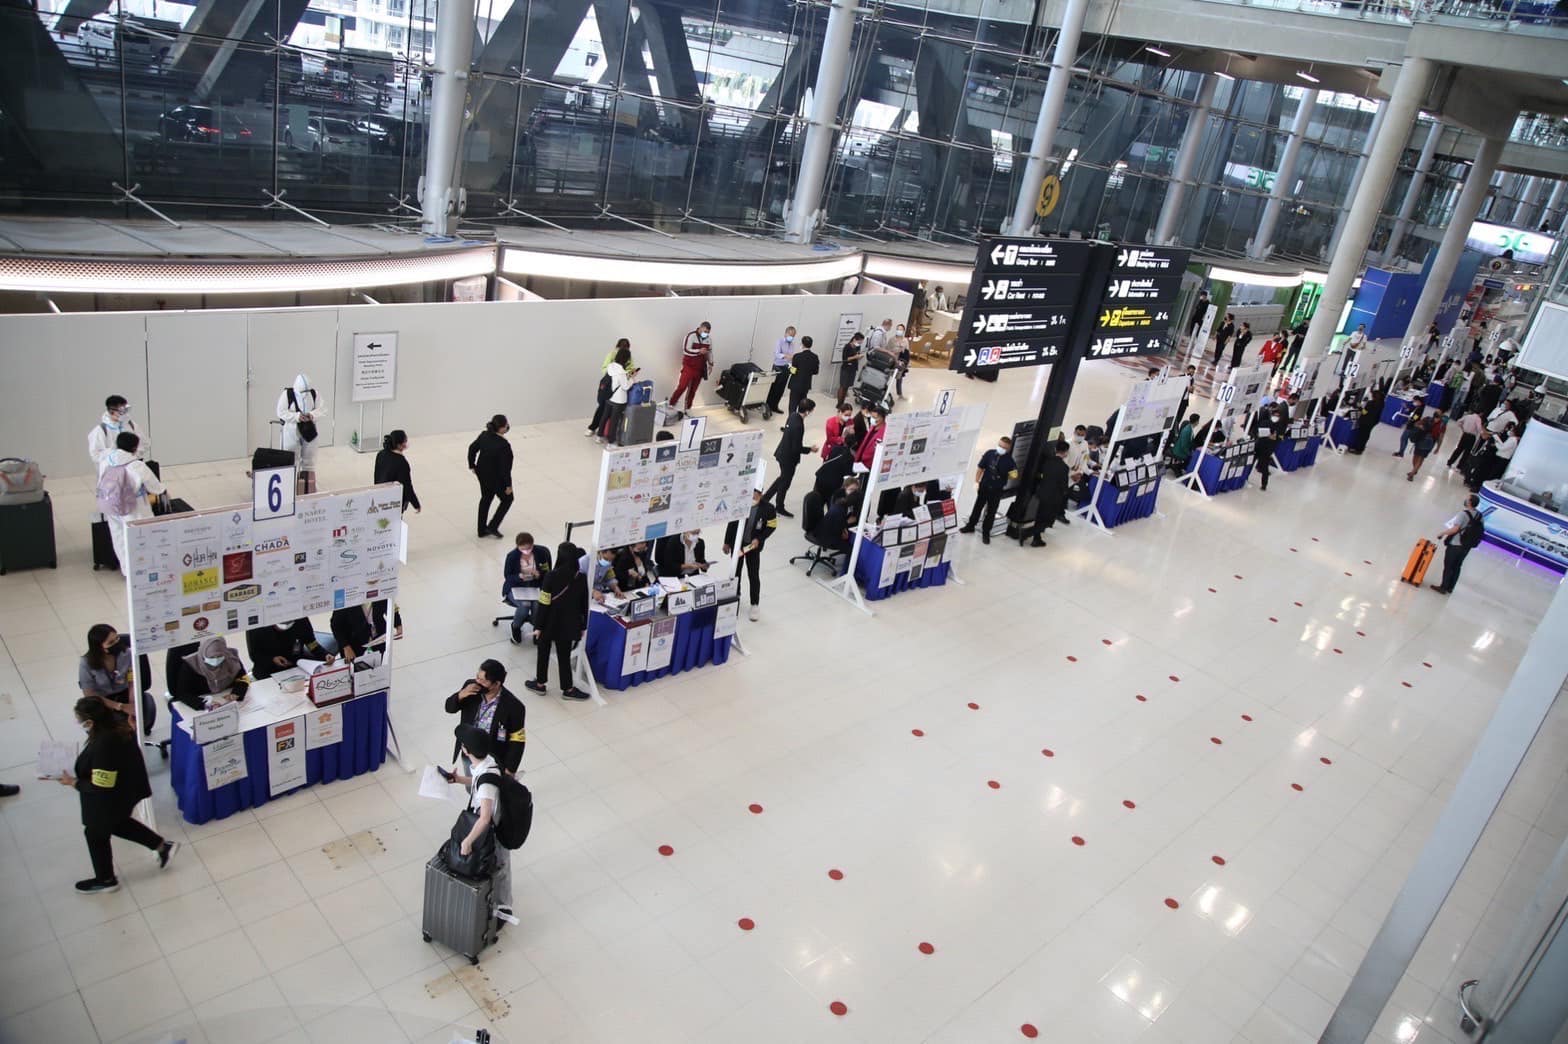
832, 68
1285, 177
1552, 213
444, 139
1524, 211
1409, 91
1407, 209
1186, 161
1453, 245
1051, 104
1355, 178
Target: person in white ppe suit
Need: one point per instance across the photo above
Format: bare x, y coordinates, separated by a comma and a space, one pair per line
138, 477
300, 407
116, 418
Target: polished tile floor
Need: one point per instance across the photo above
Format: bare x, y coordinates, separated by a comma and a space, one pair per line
1159, 785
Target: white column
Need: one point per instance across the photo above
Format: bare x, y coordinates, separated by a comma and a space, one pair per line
1409, 91
1040, 146
444, 139
1355, 178
832, 68
1285, 177
1552, 213
1186, 161
1453, 245
1524, 212
1407, 209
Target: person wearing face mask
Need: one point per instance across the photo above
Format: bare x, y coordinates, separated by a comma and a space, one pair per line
522, 573
681, 555
300, 410
634, 567
211, 670
278, 647
839, 465
760, 524
997, 468
854, 351
104, 673
900, 349
1267, 427
126, 490
696, 357
353, 630
562, 622
490, 459
484, 702
100, 444
603, 580
783, 353
837, 426
792, 446
110, 779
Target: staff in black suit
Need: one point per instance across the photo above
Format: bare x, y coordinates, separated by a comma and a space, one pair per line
1051, 491
392, 466
681, 554
760, 524
562, 619
792, 446
490, 459
1227, 331
803, 367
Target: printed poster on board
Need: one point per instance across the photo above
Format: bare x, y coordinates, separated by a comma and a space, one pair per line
324, 727
889, 571
216, 724
286, 756
635, 657
223, 761
661, 644
727, 619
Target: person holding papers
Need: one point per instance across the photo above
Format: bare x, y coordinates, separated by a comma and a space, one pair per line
524, 569
211, 670
760, 525
634, 567
681, 555
279, 647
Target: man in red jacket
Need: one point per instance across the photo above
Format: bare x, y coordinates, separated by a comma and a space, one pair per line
695, 354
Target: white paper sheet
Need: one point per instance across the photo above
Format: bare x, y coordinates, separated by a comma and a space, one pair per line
223, 761
54, 758
432, 785
286, 756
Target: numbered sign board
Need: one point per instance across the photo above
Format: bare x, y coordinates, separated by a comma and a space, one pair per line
274, 493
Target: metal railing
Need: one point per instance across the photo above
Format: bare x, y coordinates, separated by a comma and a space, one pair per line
1499, 15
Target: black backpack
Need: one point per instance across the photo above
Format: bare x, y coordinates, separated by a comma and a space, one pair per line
517, 810
1472, 532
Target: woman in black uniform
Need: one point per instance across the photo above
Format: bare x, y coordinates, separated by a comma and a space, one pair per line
392, 466
111, 779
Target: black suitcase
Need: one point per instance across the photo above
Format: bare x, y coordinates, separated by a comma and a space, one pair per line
103, 547
27, 536
457, 911
637, 424
265, 457
172, 506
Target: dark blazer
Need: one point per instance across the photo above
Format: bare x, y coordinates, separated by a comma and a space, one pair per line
831, 475
1227, 332
351, 628
669, 555
806, 364
563, 606
490, 457
512, 569
760, 524
792, 445
1052, 488
626, 560
508, 734
393, 467
263, 643
111, 778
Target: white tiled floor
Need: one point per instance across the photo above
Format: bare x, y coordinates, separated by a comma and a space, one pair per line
1183, 674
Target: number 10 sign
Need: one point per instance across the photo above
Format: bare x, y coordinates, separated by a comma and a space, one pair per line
274, 493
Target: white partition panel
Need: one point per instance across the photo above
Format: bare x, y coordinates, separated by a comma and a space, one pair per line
195, 367
281, 344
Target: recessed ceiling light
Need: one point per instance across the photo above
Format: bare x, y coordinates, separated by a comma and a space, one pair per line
1155, 50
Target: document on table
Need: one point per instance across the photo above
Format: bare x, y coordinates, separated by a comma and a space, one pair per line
54, 758
433, 785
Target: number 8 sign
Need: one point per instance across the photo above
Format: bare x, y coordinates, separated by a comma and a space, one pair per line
274, 493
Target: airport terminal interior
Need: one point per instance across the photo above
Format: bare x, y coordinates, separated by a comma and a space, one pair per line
1188, 745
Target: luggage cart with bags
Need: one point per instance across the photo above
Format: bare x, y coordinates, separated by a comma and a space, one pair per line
874, 387
743, 389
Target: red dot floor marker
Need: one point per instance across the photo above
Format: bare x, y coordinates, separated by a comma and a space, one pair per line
1425, 664
1028, 1030
917, 732
1273, 619
1072, 659
1326, 761
837, 875
1048, 752
1216, 740
1366, 561
1297, 786
974, 706
993, 784
746, 924
1314, 540
1361, 634
1246, 717
1339, 652
1238, 576
1141, 698
1349, 573
926, 948
1129, 804
1078, 841
1213, 591
666, 850
1297, 605
1293, 549
755, 810
1173, 904
1407, 685
1218, 860
1105, 641
1174, 678
839, 1008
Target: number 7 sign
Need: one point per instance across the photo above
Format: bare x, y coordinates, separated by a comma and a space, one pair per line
273, 492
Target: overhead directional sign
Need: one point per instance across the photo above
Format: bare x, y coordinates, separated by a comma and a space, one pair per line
1114, 346
1021, 302
1138, 308
1011, 354
1142, 288
1033, 255
1134, 317
998, 290
1018, 321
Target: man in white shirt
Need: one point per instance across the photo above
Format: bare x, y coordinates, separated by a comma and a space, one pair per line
1455, 546
485, 799
1358, 340
783, 352
877, 339
1501, 418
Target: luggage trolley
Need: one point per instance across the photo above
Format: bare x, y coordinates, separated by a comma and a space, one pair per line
874, 387
743, 389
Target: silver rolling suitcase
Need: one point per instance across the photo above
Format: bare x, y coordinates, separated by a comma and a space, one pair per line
457, 912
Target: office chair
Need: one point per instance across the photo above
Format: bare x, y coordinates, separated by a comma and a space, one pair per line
812, 511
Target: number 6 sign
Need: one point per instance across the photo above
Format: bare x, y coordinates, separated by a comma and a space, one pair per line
274, 493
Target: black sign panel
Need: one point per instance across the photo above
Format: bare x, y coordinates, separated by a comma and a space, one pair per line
1040, 256
1021, 302
1007, 355
1120, 318
1012, 323
1142, 289
1113, 346
1145, 260
996, 291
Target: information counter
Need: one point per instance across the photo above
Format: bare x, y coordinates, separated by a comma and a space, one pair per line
1219, 471
1341, 429
350, 738
1297, 452
1122, 504
1396, 408
1437, 395
869, 572
692, 645
1524, 511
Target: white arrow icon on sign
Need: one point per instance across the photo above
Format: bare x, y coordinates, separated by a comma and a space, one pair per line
997, 253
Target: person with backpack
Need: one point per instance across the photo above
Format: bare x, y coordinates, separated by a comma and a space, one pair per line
1460, 536
619, 373
126, 491
116, 418
607, 386
299, 408
483, 779
1428, 437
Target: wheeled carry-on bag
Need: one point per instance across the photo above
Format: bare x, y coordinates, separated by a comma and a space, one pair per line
103, 547
457, 912
27, 535
1420, 559
637, 424
265, 457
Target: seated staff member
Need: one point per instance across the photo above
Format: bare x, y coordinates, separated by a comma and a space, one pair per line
522, 573
760, 524
104, 672
681, 554
352, 630
837, 466
836, 530
110, 779
603, 582
562, 620
277, 647
634, 567
212, 669
484, 703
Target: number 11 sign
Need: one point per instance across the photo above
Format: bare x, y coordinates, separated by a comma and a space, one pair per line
274, 493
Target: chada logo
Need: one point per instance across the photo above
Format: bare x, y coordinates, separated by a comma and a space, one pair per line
275, 544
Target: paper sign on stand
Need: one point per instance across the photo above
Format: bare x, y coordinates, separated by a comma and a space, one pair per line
728, 618
323, 727
332, 684
216, 724
661, 644
889, 568
635, 658
223, 761
286, 756
374, 377
376, 679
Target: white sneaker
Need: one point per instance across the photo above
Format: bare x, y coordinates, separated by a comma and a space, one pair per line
754, 615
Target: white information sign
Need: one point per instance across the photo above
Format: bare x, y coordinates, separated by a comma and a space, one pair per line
944, 401
654, 490
323, 727
728, 618
692, 431
286, 756
272, 493
848, 326
889, 571
920, 446
223, 761
661, 644
1151, 408
635, 657
216, 724
375, 367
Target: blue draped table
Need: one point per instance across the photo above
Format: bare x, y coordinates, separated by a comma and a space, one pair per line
1342, 429
1297, 453
1210, 468
1395, 409
1437, 395
868, 573
362, 749
695, 646
1118, 505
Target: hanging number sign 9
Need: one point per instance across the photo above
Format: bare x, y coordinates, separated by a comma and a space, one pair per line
1050, 195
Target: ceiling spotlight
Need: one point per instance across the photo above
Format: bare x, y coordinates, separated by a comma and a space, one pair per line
1155, 50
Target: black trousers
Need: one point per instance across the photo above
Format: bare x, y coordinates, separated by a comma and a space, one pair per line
1466, 442
1219, 351
102, 852
1264, 460
1453, 558
986, 503
562, 644
1045, 517
598, 415
503, 502
781, 482
1237, 355
780, 382
752, 564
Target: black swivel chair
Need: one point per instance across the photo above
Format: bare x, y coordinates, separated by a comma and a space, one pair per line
817, 553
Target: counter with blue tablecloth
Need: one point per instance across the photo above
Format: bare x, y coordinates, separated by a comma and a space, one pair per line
1216, 476
1119, 504
1395, 409
868, 573
1437, 395
1341, 430
362, 749
695, 646
1299, 452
